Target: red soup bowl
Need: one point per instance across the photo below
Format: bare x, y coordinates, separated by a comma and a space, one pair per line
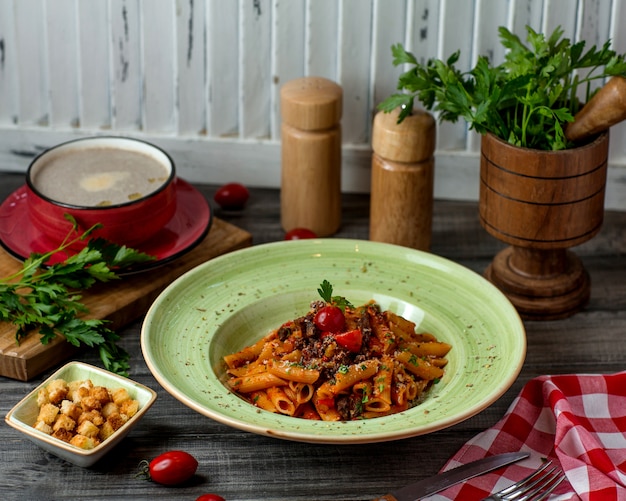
126, 185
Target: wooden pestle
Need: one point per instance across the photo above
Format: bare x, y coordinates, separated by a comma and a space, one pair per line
606, 108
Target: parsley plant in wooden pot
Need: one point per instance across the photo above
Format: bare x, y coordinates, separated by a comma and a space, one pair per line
541, 188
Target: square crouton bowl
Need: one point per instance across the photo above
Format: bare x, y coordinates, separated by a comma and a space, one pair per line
42, 413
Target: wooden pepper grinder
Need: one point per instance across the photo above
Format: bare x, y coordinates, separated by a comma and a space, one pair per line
402, 179
310, 194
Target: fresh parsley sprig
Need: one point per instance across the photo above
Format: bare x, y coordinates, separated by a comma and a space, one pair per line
47, 298
326, 292
527, 100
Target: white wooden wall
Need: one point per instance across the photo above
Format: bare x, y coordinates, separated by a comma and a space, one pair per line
201, 78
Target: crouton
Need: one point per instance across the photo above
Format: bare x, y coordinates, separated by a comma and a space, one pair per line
64, 422
79, 390
48, 413
88, 429
119, 395
110, 408
70, 409
63, 434
117, 420
129, 407
94, 416
78, 394
57, 391
89, 403
74, 385
106, 430
41, 426
42, 397
84, 442
101, 394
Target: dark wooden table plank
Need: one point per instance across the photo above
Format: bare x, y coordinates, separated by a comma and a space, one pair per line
242, 466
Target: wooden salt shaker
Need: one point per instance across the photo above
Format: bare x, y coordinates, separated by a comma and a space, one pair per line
310, 194
402, 179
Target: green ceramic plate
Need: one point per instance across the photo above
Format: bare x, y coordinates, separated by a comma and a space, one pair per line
232, 301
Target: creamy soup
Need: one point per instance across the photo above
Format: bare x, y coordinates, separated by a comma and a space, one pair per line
97, 177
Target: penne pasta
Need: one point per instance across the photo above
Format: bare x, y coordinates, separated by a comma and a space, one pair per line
381, 329
349, 375
381, 389
248, 353
307, 411
246, 370
419, 366
292, 372
303, 392
394, 409
439, 362
281, 401
261, 400
433, 349
374, 366
411, 390
326, 409
255, 382
293, 356
375, 404
363, 388
325, 391
399, 394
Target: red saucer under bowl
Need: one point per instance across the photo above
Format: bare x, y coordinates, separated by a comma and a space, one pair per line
189, 225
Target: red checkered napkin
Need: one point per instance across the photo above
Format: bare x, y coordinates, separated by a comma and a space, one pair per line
577, 421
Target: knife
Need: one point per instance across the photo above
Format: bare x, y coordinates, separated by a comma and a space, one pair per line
451, 477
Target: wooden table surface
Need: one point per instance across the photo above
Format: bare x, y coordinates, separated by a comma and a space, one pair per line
243, 466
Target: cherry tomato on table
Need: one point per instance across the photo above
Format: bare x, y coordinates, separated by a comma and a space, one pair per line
329, 319
232, 196
173, 467
210, 497
299, 234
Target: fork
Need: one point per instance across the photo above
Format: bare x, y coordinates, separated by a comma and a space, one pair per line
535, 487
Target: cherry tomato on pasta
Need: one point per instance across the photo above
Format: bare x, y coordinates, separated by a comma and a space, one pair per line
299, 234
232, 196
350, 340
210, 497
173, 467
330, 319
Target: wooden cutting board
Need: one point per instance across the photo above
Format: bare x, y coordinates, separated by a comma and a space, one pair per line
119, 302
